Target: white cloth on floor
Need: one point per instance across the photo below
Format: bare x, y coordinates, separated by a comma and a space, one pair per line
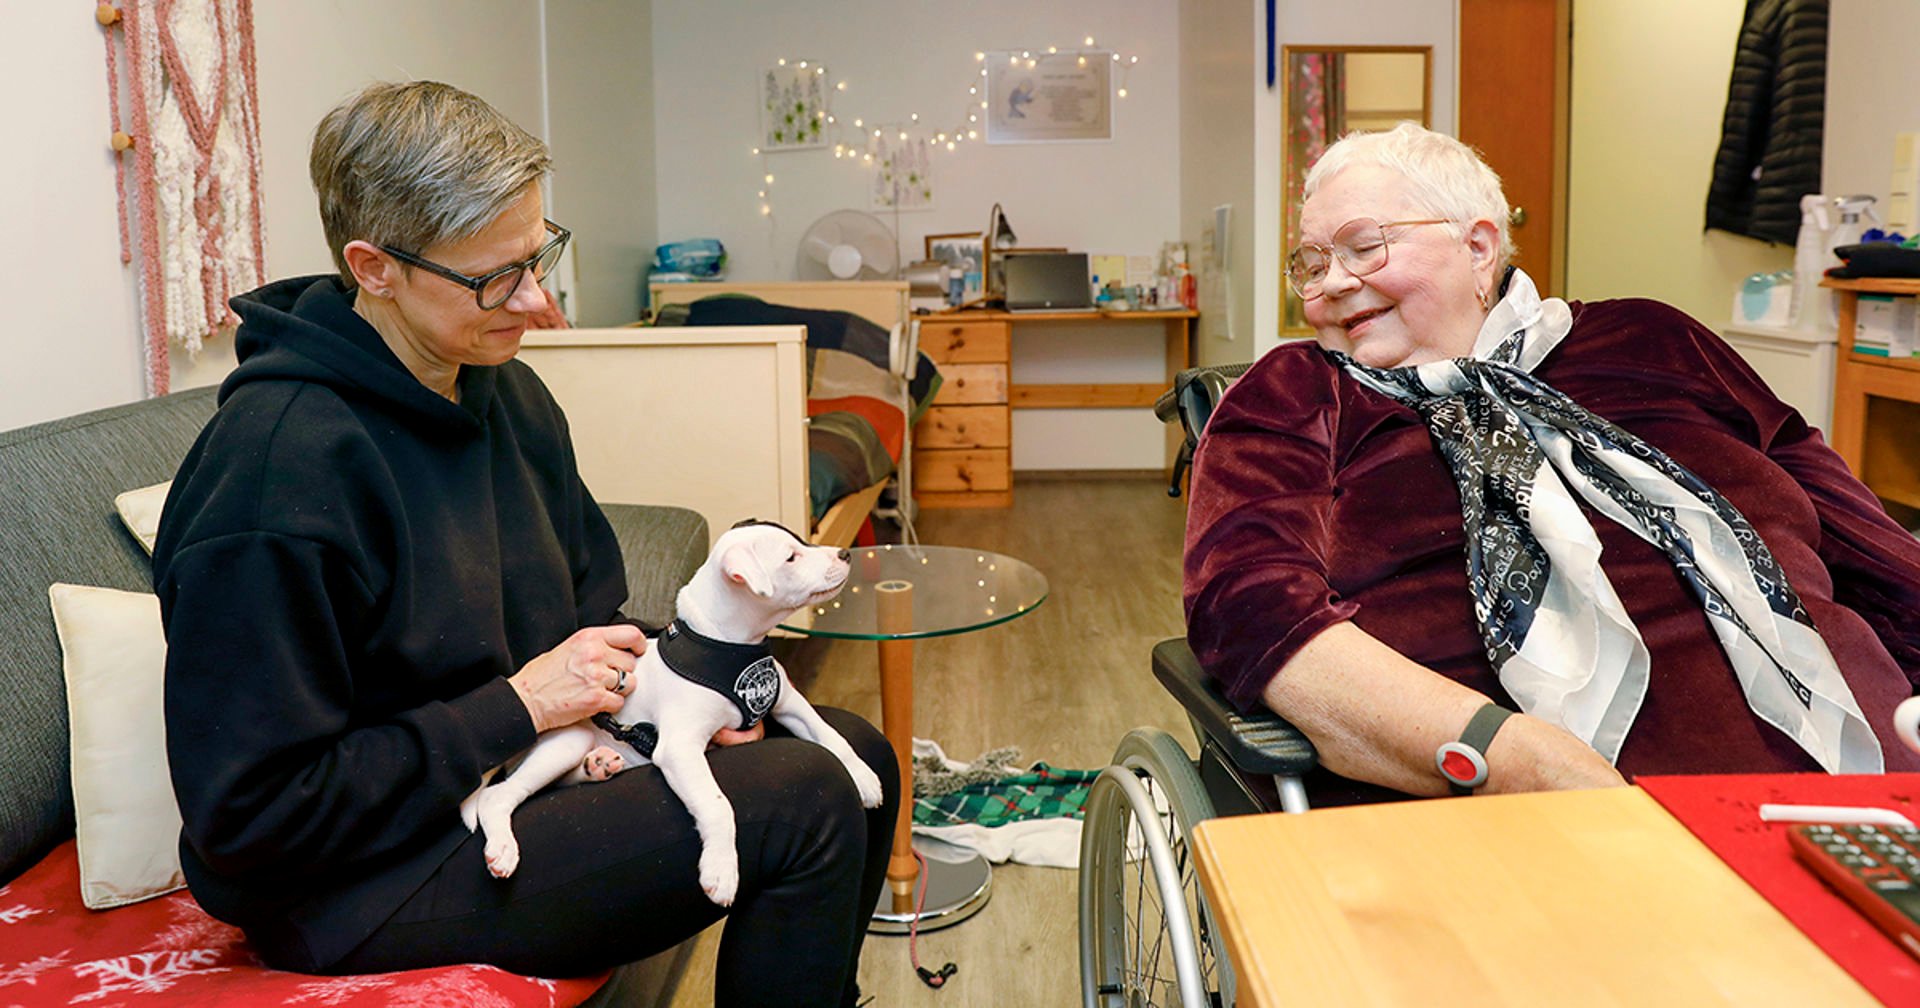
1046, 843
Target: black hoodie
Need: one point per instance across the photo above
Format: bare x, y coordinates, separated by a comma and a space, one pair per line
349, 566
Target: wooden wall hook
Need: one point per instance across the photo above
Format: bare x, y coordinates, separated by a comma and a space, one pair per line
121, 140
106, 14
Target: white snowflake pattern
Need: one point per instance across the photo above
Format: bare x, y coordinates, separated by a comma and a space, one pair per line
552, 987
338, 990
146, 972
29, 972
193, 928
450, 989
18, 912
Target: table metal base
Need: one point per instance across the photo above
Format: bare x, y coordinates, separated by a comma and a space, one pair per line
955, 891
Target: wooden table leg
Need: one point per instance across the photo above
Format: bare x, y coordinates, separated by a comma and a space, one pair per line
894, 609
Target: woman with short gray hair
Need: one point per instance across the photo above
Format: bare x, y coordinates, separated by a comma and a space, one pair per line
381, 576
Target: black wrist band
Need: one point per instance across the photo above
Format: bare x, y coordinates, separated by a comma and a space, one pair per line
1464, 763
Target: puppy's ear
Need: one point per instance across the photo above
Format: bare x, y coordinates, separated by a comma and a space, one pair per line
742, 566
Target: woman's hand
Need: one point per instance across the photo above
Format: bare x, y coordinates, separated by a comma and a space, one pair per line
589, 673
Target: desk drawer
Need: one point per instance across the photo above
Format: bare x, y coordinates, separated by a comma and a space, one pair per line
962, 470
965, 342
964, 427
972, 384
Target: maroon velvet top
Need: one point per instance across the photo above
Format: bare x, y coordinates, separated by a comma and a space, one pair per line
1317, 500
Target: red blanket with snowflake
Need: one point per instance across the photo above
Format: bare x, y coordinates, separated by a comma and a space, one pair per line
167, 951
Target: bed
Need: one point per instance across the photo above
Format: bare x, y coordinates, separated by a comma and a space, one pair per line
754, 408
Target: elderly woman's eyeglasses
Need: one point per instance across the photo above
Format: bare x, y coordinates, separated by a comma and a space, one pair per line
491, 290
1361, 246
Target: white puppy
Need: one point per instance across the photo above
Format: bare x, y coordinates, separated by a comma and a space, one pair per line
756, 575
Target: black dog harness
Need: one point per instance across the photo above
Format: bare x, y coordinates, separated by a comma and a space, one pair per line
743, 673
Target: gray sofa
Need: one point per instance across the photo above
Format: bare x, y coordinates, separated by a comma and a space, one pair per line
57, 523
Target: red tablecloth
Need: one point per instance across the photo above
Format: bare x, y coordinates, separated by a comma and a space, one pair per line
1724, 812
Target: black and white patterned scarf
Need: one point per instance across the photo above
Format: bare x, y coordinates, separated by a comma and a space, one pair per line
1554, 629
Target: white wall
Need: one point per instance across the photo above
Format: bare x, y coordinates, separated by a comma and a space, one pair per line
1871, 77
1222, 74
600, 118
1640, 155
73, 342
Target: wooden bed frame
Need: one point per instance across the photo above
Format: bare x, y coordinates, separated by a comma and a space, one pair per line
707, 417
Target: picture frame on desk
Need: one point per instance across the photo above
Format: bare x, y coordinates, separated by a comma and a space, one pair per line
964, 251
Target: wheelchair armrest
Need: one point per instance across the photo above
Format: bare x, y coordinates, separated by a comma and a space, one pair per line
1195, 392
1262, 743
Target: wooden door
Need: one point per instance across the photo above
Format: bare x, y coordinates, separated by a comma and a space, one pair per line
1514, 69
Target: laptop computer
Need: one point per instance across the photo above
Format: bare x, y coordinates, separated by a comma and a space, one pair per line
1047, 281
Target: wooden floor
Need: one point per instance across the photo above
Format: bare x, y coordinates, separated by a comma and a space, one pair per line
1062, 683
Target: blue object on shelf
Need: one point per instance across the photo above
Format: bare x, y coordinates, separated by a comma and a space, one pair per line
702, 258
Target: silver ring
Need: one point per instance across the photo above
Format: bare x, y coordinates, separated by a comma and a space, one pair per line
620, 684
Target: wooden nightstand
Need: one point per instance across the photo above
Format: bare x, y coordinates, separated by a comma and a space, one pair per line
962, 447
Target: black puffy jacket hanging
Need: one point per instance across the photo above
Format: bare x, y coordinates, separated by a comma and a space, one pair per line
1776, 112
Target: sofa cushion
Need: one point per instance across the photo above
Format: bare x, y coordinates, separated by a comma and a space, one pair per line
125, 816
140, 512
167, 951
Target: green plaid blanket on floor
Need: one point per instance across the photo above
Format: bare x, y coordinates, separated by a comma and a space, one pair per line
1038, 793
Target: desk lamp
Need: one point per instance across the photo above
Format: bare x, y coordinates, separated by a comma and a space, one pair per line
999, 235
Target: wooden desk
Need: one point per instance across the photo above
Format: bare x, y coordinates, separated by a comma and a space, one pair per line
963, 447
1876, 405
1557, 898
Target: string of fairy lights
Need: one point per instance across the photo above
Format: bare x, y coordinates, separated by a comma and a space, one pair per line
840, 134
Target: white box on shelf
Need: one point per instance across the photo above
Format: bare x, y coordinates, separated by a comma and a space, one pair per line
1884, 326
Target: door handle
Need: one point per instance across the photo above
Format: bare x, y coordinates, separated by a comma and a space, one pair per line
1517, 217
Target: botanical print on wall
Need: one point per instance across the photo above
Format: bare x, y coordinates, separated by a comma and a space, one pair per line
902, 169
793, 107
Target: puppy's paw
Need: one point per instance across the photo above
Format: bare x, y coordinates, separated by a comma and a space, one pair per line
867, 783
602, 763
719, 874
503, 856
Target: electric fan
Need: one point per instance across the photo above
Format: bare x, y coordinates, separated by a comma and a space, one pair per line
848, 245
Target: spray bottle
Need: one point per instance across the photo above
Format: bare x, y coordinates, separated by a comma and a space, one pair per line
1847, 230
1809, 263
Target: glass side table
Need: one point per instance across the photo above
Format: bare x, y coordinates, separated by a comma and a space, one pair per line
896, 595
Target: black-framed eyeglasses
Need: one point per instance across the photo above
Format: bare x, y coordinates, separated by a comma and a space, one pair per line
491, 290
1360, 244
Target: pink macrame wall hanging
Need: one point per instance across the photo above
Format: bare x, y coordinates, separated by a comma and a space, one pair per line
189, 141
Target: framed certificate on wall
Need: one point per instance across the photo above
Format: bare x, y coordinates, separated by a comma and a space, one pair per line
1049, 97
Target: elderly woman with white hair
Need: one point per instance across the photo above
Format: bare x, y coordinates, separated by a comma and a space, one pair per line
1480, 540
381, 575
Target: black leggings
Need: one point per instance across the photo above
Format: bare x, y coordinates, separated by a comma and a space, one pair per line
609, 874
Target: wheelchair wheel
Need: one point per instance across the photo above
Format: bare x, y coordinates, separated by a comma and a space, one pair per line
1146, 934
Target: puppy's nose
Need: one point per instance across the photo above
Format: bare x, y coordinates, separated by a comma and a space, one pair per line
845, 555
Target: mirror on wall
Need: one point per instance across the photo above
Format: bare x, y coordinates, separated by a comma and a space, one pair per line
1332, 91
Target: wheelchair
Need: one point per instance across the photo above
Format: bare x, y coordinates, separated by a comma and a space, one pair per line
1147, 937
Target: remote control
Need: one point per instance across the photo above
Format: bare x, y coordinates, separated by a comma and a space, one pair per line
1876, 868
